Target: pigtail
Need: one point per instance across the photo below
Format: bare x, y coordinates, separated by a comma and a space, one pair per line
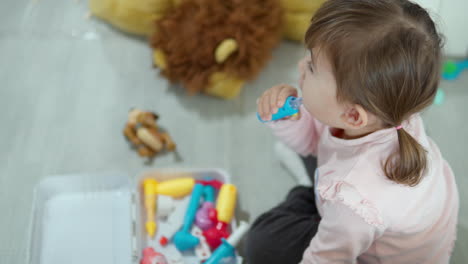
407, 165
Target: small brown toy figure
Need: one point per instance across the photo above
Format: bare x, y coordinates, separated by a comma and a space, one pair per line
144, 134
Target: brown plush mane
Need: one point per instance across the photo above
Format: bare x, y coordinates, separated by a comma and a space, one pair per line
189, 35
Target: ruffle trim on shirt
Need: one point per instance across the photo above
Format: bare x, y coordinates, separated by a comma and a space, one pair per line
349, 196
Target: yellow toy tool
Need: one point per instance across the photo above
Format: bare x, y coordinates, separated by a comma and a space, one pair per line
175, 188
225, 206
226, 203
149, 188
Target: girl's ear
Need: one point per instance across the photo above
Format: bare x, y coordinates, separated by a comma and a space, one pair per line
355, 117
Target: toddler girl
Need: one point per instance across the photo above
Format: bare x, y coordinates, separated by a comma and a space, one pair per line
382, 191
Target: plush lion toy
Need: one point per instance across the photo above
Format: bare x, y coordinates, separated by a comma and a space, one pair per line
138, 16
205, 43
210, 46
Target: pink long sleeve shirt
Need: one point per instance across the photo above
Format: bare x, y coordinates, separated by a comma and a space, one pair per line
367, 218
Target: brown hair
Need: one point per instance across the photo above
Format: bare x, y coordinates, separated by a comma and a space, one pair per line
386, 57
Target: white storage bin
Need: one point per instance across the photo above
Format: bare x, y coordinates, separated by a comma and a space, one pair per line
97, 218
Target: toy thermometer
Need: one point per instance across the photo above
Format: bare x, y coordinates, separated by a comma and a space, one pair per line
290, 108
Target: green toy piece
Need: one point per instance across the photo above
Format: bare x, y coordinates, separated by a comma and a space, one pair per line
452, 69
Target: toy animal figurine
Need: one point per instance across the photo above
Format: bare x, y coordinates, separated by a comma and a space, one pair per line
144, 134
210, 46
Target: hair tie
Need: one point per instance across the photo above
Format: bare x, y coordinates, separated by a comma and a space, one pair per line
399, 127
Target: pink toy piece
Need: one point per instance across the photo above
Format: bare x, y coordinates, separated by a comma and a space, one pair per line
145, 260
150, 256
150, 252
203, 220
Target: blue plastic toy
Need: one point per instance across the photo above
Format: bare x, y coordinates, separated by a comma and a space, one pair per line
183, 240
226, 253
209, 193
453, 69
290, 108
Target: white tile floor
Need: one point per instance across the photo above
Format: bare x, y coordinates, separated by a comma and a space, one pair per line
66, 83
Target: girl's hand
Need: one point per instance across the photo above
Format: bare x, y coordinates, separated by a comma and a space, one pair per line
274, 98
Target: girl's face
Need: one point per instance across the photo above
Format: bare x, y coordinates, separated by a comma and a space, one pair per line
318, 86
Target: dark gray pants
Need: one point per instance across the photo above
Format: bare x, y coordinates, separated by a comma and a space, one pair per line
281, 235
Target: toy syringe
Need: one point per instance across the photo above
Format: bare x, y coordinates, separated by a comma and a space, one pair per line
290, 108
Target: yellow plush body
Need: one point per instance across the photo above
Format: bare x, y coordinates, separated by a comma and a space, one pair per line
131, 16
297, 17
